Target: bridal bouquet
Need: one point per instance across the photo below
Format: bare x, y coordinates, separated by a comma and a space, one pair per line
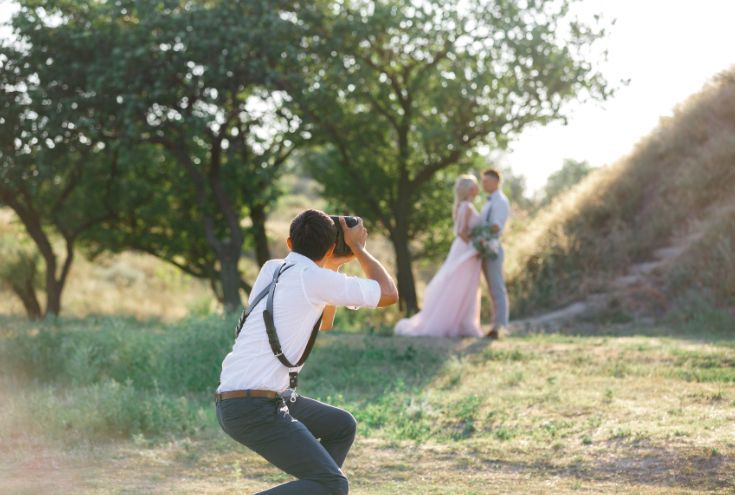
486, 241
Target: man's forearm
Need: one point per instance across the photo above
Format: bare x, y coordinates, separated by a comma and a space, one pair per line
375, 270
328, 318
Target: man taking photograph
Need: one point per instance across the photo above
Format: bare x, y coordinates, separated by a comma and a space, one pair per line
256, 401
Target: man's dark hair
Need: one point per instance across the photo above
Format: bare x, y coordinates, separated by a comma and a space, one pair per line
312, 234
493, 172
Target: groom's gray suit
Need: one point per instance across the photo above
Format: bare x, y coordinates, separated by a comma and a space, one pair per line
496, 212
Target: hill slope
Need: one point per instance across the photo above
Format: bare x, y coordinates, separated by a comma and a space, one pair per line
655, 227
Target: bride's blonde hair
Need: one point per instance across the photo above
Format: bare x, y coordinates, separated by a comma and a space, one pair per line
462, 188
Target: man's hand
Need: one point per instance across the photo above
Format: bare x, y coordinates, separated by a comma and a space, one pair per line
355, 237
495, 229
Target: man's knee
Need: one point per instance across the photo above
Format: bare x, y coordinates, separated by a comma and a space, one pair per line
338, 485
350, 423
343, 487
347, 424
499, 290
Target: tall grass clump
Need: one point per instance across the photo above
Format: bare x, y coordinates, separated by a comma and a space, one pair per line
618, 215
708, 265
181, 358
113, 377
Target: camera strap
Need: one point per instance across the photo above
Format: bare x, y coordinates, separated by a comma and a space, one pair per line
270, 328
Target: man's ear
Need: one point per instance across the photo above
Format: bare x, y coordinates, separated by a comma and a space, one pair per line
289, 243
330, 251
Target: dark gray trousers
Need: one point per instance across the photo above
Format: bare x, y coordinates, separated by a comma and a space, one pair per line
307, 439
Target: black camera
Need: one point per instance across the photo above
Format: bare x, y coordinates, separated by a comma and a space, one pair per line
343, 249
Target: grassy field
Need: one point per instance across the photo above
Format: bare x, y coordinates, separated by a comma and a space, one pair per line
109, 405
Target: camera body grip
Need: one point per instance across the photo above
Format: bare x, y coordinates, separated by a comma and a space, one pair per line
342, 249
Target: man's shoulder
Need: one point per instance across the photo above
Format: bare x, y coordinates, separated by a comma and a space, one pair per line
269, 267
271, 264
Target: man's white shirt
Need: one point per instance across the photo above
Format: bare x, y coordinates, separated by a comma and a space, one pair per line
301, 295
500, 210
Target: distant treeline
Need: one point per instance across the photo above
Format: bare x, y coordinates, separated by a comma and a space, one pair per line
164, 126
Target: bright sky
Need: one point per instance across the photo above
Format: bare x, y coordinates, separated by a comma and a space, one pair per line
667, 48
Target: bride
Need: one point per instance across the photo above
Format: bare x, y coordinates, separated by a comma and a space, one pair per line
452, 298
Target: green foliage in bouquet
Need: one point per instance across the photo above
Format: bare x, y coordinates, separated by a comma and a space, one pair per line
486, 241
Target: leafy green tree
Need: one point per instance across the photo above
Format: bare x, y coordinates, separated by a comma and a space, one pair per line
399, 93
571, 172
190, 79
52, 175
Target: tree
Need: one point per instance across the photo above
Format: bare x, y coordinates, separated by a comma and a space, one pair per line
52, 175
190, 79
571, 172
399, 93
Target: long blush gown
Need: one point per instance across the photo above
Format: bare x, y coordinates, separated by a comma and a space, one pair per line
452, 299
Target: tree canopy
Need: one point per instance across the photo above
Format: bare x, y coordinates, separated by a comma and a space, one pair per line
401, 93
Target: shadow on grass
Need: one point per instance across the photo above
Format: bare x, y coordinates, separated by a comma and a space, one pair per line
702, 325
640, 465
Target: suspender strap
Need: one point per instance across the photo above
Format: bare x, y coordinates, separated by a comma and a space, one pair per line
273, 340
258, 298
270, 328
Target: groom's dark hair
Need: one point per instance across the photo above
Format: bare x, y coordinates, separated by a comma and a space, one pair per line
312, 233
493, 172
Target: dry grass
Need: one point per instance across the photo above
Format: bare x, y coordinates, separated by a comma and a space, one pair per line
680, 175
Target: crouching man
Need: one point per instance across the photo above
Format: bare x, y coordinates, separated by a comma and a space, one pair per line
293, 299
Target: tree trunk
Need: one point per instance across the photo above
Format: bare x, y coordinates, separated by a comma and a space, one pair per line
406, 284
54, 289
25, 290
258, 216
30, 304
53, 298
230, 280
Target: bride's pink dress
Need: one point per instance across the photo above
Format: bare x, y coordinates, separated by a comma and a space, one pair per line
452, 299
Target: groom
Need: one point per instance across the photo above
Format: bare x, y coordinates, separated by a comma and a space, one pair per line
495, 213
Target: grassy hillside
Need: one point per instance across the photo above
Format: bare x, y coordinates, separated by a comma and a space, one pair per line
676, 181
110, 405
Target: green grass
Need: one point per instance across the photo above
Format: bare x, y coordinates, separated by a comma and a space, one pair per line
625, 410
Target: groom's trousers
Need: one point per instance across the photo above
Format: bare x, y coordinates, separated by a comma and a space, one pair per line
493, 270
306, 438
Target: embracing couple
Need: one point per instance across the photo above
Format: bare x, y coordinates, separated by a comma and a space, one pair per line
452, 299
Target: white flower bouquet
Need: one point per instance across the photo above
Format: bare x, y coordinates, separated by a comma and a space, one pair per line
486, 241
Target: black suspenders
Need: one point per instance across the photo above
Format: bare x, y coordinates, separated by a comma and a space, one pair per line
270, 329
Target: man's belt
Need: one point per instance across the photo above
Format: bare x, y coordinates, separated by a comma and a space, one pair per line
239, 394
